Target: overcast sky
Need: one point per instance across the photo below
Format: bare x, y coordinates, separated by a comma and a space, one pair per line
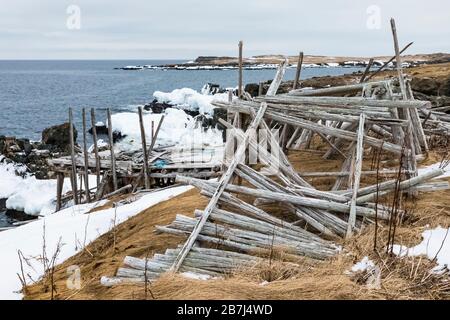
146, 29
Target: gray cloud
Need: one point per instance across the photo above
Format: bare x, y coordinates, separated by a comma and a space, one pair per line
112, 29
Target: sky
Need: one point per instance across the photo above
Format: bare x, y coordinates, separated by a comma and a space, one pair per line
185, 29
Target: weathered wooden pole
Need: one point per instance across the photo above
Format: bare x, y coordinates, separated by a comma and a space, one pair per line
111, 148
240, 88
94, 136
73, 174
86, 159
357, 175
144, 149
369, 65
59, 188
398, 60
298, 71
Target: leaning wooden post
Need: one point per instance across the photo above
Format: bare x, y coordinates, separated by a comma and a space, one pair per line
366, 72
144, 149
298, 71
387, 62
240, 89
224, 180
111, 148
86, 159
72, 155
398, 60
59, 189
94, 136
357, 175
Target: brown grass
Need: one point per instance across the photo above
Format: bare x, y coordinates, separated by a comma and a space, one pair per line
400, 278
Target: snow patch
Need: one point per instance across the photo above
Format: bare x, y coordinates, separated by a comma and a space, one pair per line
71, 227
363, 265
435, 245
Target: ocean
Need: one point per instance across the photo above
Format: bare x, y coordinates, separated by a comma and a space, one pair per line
36, 94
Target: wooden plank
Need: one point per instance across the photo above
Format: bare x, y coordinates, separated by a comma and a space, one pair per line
278, 78
111, 148
298, 71
86, 163
73, 174
224, 180
357, 176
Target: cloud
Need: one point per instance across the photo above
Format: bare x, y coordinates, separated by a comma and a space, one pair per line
185, 29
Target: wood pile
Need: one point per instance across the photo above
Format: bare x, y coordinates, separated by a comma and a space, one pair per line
353, 121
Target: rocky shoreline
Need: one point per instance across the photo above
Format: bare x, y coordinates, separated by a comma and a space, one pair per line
309, 61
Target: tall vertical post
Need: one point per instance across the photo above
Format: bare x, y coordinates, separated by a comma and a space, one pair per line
144, 149
240, 88
73, 175
86, 159
94, 136
111, 148
298, 71
59, 188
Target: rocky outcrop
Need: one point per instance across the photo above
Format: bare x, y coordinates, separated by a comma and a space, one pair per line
58, 136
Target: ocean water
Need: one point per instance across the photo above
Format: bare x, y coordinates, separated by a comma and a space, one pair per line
36, 94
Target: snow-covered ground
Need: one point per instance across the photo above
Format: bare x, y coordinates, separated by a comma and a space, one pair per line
435, 245
72, 228
28, 194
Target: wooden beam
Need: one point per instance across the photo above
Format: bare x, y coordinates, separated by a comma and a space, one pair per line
278, 78
356, 176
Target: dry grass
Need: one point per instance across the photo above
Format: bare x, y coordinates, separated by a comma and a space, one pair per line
406, 278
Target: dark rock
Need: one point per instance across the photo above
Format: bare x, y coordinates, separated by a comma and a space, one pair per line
157, 107
427, 86
3, 204
117, 136
252, 89
19, 215
444, 90
101, 129
59, 136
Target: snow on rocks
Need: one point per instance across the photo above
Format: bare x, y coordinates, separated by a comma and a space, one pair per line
189, 99
72, 228
178, 128
435, 245
26, 193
